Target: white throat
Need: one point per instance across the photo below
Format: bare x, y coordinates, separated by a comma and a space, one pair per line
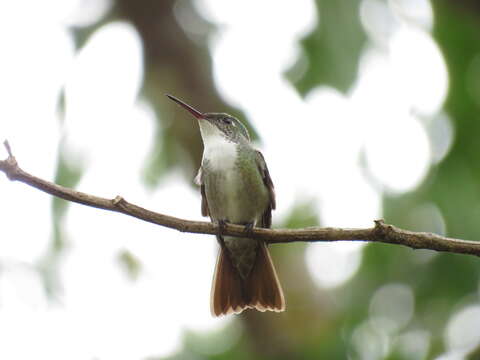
218, 150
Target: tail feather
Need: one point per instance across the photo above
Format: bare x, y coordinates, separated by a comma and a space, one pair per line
261, 290
263, 285
227, 293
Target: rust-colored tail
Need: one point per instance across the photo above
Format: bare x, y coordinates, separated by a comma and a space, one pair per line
261, 290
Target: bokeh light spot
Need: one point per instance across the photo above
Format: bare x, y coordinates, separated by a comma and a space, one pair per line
392, 307
463, 329
333, 264
398, 154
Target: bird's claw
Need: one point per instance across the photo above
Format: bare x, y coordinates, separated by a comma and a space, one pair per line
249, 228
221, 223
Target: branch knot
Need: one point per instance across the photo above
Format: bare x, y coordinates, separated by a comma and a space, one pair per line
10, 166
118, 201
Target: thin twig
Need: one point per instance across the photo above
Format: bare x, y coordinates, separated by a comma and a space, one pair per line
381, 232
9, 149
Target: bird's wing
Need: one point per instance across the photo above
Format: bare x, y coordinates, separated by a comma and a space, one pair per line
267, 180
199, 181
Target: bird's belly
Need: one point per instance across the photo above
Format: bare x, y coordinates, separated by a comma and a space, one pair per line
239, 207
236, 197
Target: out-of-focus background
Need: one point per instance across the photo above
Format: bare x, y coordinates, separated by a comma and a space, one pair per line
363, 109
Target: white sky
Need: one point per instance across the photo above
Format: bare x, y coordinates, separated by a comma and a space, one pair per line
101, 313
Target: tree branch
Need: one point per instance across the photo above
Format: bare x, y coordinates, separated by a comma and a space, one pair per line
381, 232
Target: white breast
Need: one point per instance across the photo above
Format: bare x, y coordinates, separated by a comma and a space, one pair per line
220, 153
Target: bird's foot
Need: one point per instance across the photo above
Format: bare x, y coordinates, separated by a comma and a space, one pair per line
221, 223
249, 228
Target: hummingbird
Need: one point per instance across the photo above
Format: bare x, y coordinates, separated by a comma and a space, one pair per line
236, 188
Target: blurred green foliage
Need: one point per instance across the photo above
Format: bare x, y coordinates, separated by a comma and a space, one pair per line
453, 185
320, 324
333, 48
130, 263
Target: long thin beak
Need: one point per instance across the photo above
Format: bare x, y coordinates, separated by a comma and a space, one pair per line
194, 112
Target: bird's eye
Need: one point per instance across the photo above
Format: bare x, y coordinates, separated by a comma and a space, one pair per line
227, 121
